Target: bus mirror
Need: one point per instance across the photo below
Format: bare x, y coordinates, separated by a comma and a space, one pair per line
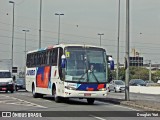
111, 61
63, 61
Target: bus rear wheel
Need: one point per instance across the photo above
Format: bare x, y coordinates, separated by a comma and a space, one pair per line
56, 98
36, 95
90, 101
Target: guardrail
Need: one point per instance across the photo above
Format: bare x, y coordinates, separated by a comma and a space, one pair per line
145, 89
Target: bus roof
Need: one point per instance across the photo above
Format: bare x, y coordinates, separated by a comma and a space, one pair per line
63, 46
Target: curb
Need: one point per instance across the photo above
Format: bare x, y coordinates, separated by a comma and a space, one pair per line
133, 104
128, 103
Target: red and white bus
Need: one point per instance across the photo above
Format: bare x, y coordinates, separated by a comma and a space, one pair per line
68, 71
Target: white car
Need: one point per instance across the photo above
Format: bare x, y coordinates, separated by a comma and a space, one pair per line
117, 86
158, 81
6, 81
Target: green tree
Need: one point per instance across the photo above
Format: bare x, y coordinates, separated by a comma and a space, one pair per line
136, 73
156, 76
139, 73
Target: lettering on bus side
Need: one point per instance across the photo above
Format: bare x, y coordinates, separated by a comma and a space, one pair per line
30, 72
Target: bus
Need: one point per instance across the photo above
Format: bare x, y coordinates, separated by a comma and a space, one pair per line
68, 71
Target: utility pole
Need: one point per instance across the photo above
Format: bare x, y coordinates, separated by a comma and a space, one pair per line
59, 25
25, 51
40, 18
127, 53
117, 72
100, 34
150, 70
12, 33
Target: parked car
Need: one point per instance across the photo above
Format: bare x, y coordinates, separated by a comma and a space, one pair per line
137, 82
117, 86
158, 81
150, 83
20, 84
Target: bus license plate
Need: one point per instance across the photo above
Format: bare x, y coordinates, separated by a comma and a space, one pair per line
87, 94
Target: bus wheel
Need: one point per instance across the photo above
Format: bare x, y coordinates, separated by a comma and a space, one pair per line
56, 98
90, 101
35, 95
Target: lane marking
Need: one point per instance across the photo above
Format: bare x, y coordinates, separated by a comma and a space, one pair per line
99, 118
23, 102
126, 107
118, 106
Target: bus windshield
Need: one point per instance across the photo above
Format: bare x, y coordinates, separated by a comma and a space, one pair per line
85, 65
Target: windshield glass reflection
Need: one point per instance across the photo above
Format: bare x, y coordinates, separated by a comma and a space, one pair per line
85, 65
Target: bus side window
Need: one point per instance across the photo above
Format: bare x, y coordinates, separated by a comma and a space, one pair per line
40, 59
47, 57
53, 57
37, 59
50, 55
43, 58
32, 60
27, 61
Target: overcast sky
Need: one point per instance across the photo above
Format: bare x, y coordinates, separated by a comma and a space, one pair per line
82, 21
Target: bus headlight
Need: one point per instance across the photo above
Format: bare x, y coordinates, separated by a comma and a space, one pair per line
70, 88
102, 89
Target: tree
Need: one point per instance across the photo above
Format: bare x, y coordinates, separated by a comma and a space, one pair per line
139, 73
156, 76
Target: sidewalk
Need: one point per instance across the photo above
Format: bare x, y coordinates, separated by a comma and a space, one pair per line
141, 103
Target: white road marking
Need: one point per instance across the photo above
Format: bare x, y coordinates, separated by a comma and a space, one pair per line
126, 107
99, 118
23, 102
118, 106
47, 100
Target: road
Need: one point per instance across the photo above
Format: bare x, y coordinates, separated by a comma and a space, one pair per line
23, 101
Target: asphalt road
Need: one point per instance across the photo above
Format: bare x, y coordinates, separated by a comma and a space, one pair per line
78, 109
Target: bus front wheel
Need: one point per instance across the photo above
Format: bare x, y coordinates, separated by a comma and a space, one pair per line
90, 101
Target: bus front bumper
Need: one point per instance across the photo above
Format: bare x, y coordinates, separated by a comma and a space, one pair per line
85, 94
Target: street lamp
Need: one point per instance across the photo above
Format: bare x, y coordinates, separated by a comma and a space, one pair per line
12, 31
127, 50
117, 72
25, 42
59, 26
150, 77
100, 34
40, 17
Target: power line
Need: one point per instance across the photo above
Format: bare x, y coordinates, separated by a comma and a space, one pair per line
73, 35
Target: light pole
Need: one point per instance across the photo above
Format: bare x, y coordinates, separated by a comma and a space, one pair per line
150, 77
12, 32
100, 34
117, 72
40, 17
59, 25
25, 42
127, 53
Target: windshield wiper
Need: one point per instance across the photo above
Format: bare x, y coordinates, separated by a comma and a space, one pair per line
94, 76
82, 76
